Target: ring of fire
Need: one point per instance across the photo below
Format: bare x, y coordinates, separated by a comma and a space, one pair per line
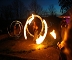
41, 38
20, 27
41, 22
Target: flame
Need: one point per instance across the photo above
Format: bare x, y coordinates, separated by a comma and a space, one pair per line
31, 19
41, 38
53, 34
44, 25
25, 27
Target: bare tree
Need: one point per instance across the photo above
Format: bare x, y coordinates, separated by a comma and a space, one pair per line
35, 7
51, 10
22, 10
44, 13
65, 5
19, 9
6, 12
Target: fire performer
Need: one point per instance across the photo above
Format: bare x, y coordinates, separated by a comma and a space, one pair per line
63, 28
35, 29
14, 29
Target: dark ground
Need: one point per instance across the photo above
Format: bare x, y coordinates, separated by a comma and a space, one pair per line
8, 57
21, 49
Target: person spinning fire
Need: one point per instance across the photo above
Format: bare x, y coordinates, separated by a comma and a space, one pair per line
35, 29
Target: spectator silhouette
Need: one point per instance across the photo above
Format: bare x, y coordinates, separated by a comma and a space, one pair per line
66, 44
63, 26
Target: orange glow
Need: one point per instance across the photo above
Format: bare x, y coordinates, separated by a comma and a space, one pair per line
40, 46
41, 38
53, 34
25, 27
29, 20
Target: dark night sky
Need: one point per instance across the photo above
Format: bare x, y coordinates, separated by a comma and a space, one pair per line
43, 3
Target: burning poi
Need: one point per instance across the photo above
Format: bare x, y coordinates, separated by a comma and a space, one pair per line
40, 37
53, 34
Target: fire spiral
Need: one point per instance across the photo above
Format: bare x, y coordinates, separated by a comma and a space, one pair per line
15, 29
41, 38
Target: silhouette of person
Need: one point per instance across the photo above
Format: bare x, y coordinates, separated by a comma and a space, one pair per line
66, 44
14, 29
63, 28
35, 29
